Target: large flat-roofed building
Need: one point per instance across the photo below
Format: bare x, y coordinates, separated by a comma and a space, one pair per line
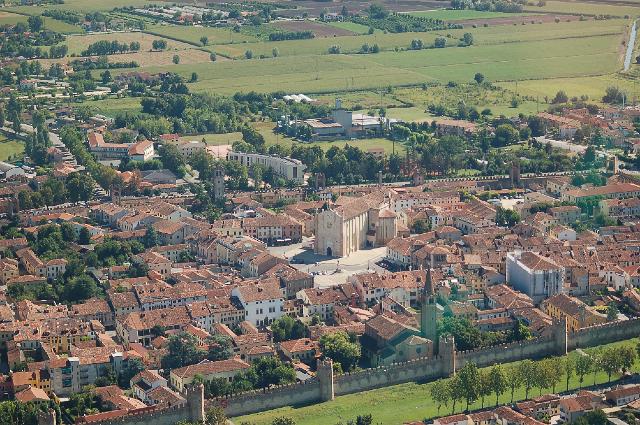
288, 168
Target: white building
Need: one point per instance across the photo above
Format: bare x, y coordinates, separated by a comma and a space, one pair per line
288, 168
537, 276
263, 302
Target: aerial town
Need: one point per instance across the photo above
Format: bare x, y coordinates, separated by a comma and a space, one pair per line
319, 212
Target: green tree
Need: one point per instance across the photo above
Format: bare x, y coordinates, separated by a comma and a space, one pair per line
506, 135
175, 59
569, 365
286, 328
36, 23
441, 393
150, 238
84, 237
478, 78
132, 367
183, 350
215, 416
484, 387
584, 364
470, 380
339, 347
204, 40
514, 378
506, 217
267, 371
595, 417
612, 312
220, 347
456, 390
527, 370
498, 381
560, 97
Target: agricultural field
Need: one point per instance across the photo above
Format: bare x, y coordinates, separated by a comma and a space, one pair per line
112, 105
9, 18
319, 29
398, 404
577, 8
461, 15
572, 57
77, 44
10, 149
192, 34
81, 6
351, 26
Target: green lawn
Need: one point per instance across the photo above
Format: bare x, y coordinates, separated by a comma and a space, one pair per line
460, 15
10, 149
393, 405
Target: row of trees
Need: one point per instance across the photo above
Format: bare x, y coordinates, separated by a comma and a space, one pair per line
471, 384
106, 47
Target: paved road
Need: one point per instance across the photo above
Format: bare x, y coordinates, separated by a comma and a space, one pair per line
562, 144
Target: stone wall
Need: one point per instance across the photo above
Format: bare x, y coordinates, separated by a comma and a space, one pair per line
256, 401
603, 334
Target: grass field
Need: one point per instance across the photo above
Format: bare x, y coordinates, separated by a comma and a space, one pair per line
351, 26
400, 41
78, 43
459, 15
111, 106
393, 405
593, 87
191, 34
10, 149
577, 8
213, 139
574, 57
8, 18
83, 5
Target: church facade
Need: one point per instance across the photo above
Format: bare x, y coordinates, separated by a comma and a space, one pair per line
356, 224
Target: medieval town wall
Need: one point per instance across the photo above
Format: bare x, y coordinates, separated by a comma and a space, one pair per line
256, 401
425, 369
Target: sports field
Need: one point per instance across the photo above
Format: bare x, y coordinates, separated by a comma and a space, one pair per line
395, 405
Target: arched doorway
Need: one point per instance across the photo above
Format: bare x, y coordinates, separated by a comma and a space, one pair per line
329, 252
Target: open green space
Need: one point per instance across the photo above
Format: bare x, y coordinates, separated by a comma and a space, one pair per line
459, 15
397, 404
192, 34
10, 149
113, 105
81, 6
401, 41
574, 57
577, 8
351, 26
213, 139
8, 18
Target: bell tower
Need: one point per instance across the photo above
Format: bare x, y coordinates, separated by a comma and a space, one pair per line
429, 312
